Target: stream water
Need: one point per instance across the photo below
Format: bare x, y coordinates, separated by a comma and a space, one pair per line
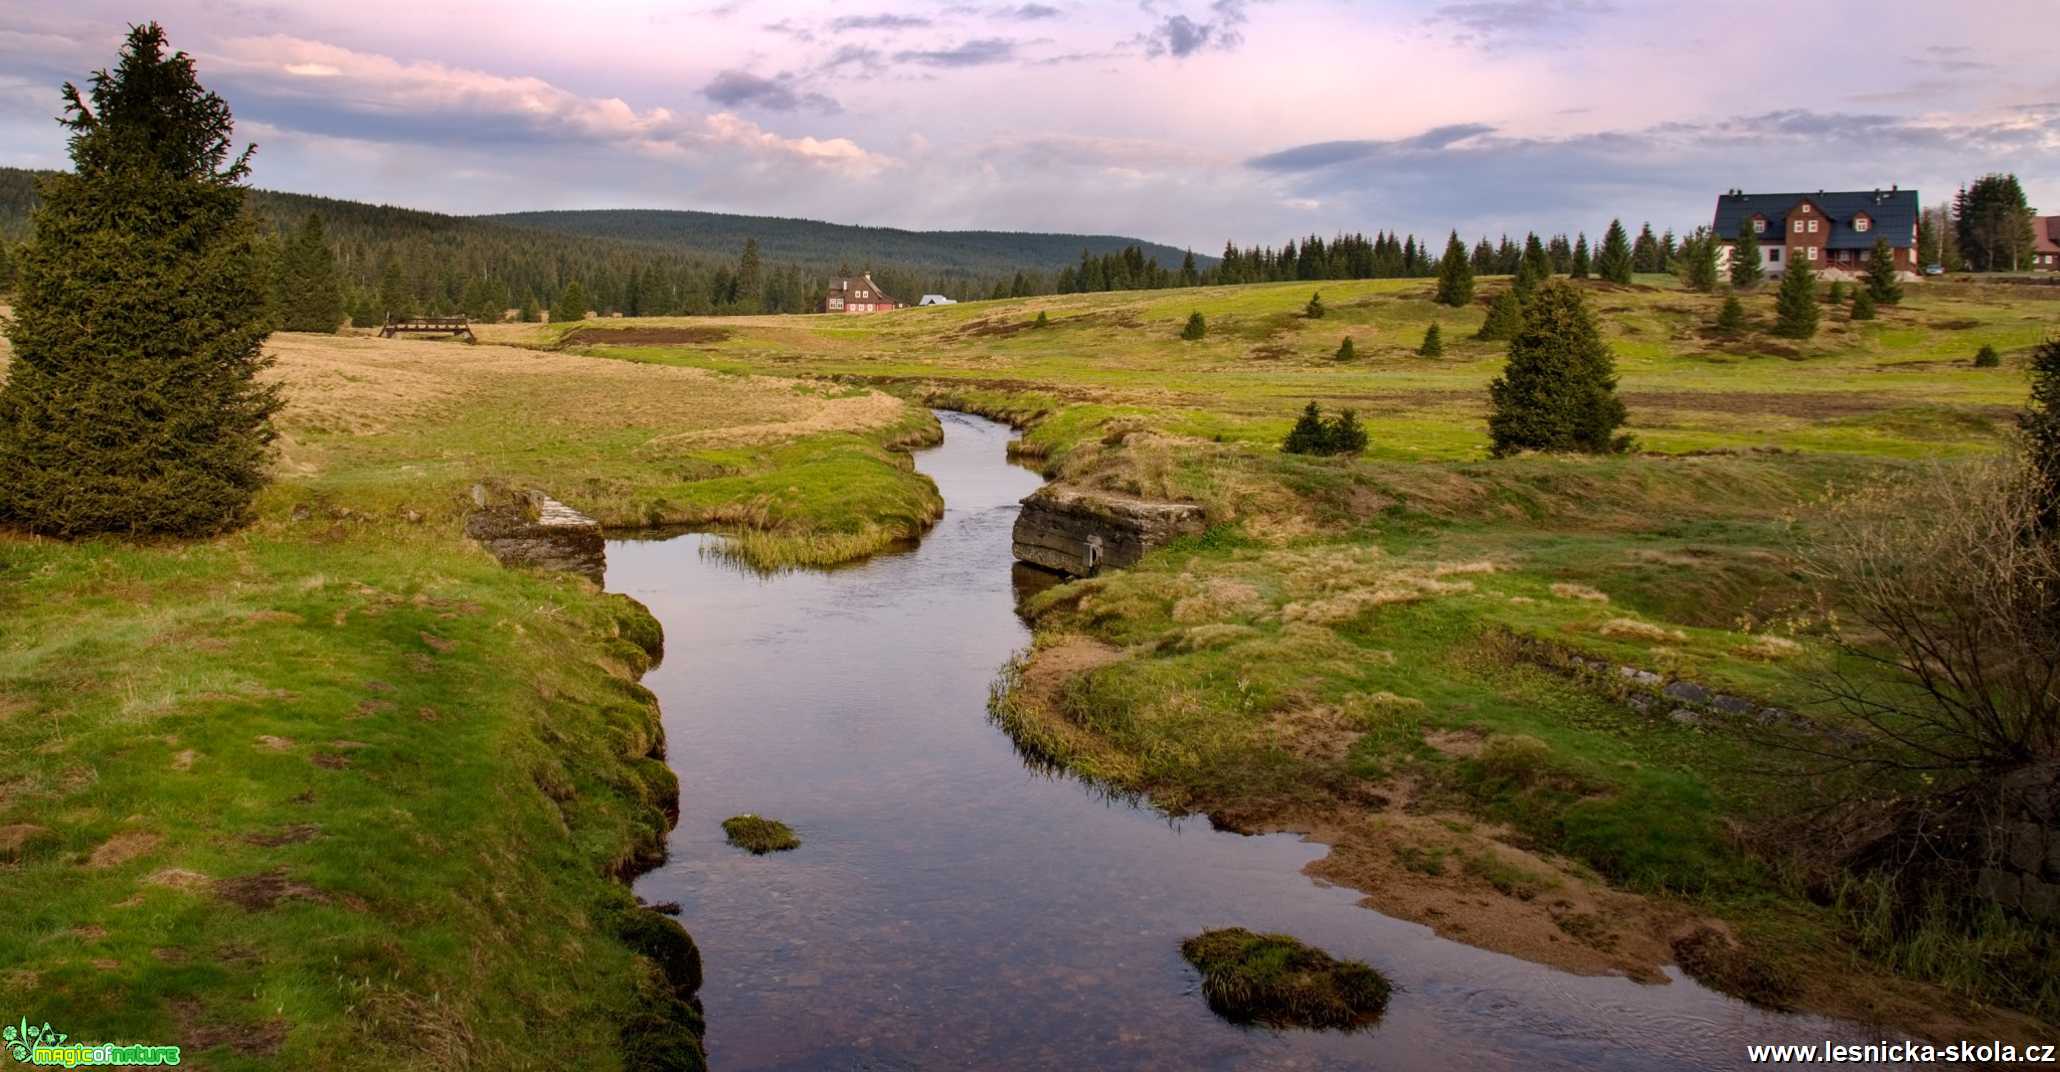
951, 909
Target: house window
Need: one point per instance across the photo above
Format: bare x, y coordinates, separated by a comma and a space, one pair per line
1773, 256
1861, 223
1813, 253
1813, 226
1798, 226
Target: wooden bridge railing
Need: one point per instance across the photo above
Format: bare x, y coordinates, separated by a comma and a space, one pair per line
432, 325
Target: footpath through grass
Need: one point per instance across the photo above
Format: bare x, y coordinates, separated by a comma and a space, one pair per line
340, 792
1379, 650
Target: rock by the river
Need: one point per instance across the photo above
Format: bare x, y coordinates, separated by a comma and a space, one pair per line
529, 528
1080, 533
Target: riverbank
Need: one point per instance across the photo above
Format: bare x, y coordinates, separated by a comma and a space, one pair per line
338, 791
1375, 650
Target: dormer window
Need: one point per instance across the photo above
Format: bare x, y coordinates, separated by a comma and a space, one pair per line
1861, 222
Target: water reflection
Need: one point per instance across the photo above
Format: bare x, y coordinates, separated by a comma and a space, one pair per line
951, 909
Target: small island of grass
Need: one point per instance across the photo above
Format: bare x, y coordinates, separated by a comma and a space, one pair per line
760, 835
1275, 980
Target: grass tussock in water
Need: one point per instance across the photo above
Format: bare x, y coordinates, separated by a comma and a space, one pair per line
759, 835
1275, 980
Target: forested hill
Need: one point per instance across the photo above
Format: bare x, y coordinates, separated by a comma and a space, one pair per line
978, 253
651, 262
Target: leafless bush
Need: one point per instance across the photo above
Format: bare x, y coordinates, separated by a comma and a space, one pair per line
1953, 588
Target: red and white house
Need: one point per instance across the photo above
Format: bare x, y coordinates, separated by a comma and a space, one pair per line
857, 294
2045, 244
1831, 231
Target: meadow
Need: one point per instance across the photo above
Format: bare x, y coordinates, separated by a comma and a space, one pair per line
337, 790
1381, 651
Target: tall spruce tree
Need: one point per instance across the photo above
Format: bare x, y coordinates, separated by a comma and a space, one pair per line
6, 267
1614, 262
1881, 279
571, 304
1558, 391
1731, 320
1795, 305
133, 403
1994, 224
1645, 253
1581, 263
1699, 261
1455, 274
1747, 267
310, 292
750, 279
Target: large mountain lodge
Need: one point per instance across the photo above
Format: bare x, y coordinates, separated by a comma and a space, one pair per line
1831, 231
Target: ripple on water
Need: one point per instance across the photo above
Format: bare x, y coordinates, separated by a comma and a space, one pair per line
950, 908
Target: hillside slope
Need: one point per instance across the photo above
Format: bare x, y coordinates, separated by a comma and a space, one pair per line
812, 241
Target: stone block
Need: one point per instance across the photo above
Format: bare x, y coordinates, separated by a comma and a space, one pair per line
1080, 533
1687, 692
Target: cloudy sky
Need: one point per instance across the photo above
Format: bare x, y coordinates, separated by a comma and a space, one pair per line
1185, 121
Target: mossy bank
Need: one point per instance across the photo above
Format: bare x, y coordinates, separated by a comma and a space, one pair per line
338, 791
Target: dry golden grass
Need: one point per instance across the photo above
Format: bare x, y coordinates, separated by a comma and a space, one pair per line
357, 385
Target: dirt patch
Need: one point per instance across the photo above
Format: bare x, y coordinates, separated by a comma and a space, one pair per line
121, 848
178, 878
14, 838
330, 760
270, 743
1458, 743
199, 1033
290, 835
265, 890
184, 760
683, 336
992, 327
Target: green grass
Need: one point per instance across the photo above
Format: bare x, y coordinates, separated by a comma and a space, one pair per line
1275, 980
338, 791
759, 835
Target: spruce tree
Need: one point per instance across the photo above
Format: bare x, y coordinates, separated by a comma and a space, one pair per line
1747, 267
1581, 264
1345, 350
1433, 342
310, 292
1043, 321
1505, 317
6, 268
1345, 435
750, 279
1314, 310
1835, 295
1882, 283
530, 313
1455, 275
1558, 391
1308, 436
1614, 262
2040, 423
133, 404
1699, 262
571, 304
1196, 328
1987, 357
1731, 320
394, 301
1795, 305
1863, 305
1645, 253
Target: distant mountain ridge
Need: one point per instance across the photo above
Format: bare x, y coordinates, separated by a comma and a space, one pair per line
980, 253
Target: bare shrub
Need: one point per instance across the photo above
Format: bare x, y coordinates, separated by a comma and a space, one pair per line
1953, 586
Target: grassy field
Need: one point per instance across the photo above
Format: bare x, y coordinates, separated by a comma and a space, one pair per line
1375, 651
338, 791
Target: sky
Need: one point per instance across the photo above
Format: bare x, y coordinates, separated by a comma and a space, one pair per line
1190, 122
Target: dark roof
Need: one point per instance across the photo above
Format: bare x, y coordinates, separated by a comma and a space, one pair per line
865, 280
2046, 234
1893, 214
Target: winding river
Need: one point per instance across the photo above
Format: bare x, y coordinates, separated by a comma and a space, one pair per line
952, 909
